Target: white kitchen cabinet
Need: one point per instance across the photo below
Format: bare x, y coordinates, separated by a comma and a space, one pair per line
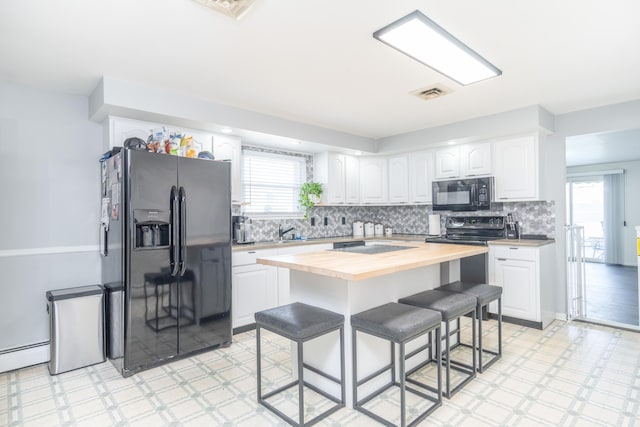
373, 180
475, 159
515, 166
254, 286
526, 277
338, 174
398, 179
447, 163
229, 148
352, 186
420, 177
463, 161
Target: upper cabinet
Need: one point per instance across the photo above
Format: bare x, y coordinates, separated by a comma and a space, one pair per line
338, 174
475, 159
398, 179
229, 148
462, 161
352, 187
447, 162
373, 180
420, 176
515, 167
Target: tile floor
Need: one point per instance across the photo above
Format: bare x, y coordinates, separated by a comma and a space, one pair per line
572, 374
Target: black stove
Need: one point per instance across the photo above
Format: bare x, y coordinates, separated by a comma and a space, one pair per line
471, 230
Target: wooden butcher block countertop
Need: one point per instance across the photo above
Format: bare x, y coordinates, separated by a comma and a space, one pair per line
358, 266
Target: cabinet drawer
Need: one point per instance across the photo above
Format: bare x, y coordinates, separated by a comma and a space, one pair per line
515, 252
249, 257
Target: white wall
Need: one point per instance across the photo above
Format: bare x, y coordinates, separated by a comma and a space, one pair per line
627, 248
49, 153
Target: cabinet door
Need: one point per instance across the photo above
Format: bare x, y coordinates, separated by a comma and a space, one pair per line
337, 174
255, 288
516, 169
420, 177
520, 296
398, 179
373, 180
352, 185
475, 159
447, 163
229, 148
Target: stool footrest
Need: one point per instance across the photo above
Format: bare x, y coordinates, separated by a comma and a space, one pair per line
322, 374
375, 374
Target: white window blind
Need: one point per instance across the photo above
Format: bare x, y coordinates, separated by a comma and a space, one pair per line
271, 183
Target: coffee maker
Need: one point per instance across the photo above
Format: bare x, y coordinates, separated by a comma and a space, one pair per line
241, 230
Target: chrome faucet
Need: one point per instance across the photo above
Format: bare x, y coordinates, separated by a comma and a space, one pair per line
282, 232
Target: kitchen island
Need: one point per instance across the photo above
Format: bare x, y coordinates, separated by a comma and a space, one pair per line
349, 282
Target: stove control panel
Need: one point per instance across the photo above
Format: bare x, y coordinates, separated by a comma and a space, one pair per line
475, 222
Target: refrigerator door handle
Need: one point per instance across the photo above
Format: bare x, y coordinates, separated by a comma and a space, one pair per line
183, 231
175, 245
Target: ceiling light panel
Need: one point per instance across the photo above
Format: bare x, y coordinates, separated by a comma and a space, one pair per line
425, 41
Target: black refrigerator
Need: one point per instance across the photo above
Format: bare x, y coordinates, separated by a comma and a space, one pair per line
165, 243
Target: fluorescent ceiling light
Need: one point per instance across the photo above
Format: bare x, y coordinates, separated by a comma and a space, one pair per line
425, 41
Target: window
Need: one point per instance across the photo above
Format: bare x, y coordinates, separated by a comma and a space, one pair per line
271, 183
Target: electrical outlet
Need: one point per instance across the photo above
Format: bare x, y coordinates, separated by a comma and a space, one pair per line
326, 220
344, 220
313, 221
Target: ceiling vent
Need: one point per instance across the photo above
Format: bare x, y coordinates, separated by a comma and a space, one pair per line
432, 92
232, 8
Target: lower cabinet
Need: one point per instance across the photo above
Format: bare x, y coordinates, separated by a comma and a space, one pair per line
255, 288
526, 275
258, 287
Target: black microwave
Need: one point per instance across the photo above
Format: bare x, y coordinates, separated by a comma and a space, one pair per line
473, 194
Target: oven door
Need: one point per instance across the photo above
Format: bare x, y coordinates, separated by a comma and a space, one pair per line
456, 195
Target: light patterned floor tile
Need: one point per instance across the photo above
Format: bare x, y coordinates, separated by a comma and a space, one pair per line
569, 374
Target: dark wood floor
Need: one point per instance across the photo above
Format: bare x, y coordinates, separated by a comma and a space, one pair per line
612, 293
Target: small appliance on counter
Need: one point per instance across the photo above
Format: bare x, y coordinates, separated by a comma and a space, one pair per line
241, 230
358, 228
369, 230
513, 228
388, 231
378, 230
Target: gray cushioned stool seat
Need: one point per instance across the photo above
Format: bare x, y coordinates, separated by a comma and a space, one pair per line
298, 321
483, 292
449, 304
396, 322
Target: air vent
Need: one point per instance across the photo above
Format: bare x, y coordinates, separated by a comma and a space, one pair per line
432, 92
232, 8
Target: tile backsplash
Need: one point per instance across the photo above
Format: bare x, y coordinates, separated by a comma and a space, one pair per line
534, 217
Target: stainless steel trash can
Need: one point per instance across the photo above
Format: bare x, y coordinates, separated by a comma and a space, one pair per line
114, 315
77, 327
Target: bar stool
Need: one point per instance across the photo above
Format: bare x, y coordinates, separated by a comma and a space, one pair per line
485, 294
300, 323
451, 306
398, 324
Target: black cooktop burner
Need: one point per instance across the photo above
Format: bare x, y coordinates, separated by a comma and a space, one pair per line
457, 241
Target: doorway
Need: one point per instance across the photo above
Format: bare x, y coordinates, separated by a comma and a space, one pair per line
596, 204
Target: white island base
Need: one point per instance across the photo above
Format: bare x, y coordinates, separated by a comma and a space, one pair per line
350, 297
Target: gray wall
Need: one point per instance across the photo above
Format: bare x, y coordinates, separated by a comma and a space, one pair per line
48, 221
